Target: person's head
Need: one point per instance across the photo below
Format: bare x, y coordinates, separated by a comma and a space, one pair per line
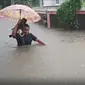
26, 29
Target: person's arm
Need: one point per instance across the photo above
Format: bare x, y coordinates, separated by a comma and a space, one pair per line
37, 40
40, 42
15, 29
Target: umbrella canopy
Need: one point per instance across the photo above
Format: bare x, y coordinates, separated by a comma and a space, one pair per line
15, 12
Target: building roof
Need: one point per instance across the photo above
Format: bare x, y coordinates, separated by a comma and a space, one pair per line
43, 10
81, 11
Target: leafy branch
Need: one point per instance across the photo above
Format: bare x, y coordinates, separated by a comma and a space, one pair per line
67, 12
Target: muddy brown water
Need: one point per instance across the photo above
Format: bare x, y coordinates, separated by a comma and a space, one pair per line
63, 57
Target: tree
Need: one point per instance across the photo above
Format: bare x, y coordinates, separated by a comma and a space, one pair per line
28, 2
67, 12
34, 2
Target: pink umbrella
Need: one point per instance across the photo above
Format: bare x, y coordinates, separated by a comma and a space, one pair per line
15, 12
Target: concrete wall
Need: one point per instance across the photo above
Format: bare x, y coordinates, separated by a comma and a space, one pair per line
81, 19
51, 2
56, 24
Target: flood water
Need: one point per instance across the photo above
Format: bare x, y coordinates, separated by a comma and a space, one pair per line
63, 57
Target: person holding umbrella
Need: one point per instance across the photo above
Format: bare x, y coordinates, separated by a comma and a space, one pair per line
24, 38
23, 14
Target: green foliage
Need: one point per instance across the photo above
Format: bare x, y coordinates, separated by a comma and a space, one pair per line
28, 2
83, 3
67, 12
34, 2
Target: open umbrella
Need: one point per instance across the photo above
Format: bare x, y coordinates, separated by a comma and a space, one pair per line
15, 12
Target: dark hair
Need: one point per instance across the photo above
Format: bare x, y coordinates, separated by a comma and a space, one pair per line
26, 25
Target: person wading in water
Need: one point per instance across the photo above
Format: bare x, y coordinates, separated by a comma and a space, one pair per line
25, 37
